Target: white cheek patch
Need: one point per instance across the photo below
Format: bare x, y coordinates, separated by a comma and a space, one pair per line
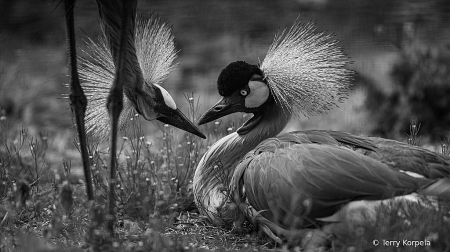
259, 92
168, 100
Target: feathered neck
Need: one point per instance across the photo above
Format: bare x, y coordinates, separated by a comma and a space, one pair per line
271, 122
213, 174
229, 151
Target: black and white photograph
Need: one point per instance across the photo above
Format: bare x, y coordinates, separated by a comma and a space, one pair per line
225, 125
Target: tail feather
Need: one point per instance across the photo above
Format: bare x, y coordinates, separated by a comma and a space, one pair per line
440, 189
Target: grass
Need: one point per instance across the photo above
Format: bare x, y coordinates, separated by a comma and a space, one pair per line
400, 221
44, 205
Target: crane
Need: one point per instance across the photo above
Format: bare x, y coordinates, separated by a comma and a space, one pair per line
132, 60
149, 65
292, 182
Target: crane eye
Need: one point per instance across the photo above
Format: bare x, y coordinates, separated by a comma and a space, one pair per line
244, 92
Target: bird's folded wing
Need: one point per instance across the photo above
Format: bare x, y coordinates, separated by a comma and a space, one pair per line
404, 157
314, 180
397, 155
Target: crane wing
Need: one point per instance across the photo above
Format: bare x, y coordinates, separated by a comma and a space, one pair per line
397, 155
300, 181
404, 157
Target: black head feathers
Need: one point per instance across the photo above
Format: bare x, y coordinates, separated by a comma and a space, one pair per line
235, 76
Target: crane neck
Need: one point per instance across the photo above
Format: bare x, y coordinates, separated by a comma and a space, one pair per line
265, 124
229, 151
216, 168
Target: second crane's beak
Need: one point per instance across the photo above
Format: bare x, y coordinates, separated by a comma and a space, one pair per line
177, 119
227, 105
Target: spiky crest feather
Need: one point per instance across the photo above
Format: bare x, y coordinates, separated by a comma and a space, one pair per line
305, 70
155, 51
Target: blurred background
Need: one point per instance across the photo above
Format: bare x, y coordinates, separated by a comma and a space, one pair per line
399, 48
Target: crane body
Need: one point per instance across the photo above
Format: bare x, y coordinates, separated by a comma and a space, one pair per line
299, 180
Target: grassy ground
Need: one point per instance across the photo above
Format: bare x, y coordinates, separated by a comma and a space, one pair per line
44, 205
43, 197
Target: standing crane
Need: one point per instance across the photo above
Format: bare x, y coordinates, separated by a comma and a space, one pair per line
132, 60
149, 65
294, 181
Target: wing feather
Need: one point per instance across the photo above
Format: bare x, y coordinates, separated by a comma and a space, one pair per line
300, 182
405, 157
397, 155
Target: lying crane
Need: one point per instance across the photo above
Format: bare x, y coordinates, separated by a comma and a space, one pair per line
131, 59
294, 181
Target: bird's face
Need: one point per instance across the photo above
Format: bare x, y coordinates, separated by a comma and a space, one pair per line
163, 108
243, 89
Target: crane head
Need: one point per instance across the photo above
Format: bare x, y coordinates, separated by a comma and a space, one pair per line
304, 72
243, 89
161, 106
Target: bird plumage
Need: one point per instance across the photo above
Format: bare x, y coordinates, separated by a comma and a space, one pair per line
215, 170
299, 179
308, 64
151, 52
326, 176
115, 71
97, 72
110, 16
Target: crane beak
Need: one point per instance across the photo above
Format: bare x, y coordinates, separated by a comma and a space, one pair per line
177, 119
226, 106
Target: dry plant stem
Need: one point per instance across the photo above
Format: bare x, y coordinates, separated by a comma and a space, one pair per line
78, 100
115, 106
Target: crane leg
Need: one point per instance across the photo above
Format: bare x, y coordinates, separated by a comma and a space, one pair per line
115, 105
77, 98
